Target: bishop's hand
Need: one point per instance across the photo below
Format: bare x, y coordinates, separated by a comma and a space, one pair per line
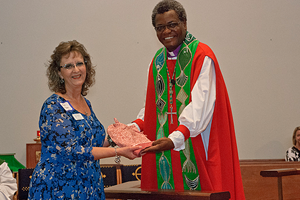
162, 144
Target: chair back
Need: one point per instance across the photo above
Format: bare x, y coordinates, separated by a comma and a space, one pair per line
24, 176
109, 175
131, 172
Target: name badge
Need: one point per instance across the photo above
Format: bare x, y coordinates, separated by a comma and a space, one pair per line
77, 116
67, 106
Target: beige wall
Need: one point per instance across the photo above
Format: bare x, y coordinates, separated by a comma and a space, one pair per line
256, 42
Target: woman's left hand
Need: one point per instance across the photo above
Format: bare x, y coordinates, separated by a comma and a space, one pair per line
128, 152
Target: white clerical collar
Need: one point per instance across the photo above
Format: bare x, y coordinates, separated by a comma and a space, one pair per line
172, 55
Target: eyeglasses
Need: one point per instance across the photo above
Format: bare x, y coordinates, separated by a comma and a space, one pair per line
170, 26
72, 66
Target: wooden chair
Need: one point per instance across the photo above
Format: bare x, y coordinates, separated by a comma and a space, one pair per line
111, 174
131, 173
24, 177
279, 173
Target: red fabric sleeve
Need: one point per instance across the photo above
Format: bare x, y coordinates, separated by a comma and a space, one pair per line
140, 123
184, 130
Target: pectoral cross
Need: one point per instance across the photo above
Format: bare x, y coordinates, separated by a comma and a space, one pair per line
171, 113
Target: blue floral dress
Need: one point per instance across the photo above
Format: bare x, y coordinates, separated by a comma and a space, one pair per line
67, 169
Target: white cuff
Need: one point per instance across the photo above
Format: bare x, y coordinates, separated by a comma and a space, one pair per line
178, 139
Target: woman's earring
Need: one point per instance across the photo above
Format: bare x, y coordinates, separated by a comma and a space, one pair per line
62, 81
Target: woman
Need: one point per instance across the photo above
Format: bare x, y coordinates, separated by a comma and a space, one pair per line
72, 137
293, 153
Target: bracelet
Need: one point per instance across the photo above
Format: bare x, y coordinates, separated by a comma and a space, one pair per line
110, 141
117, 158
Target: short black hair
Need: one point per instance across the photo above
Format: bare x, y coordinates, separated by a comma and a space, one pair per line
167, 5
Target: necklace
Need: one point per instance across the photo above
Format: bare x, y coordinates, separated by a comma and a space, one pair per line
85, 112
171, 83
79, 106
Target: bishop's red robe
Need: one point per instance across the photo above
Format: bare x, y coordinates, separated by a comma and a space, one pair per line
220, 170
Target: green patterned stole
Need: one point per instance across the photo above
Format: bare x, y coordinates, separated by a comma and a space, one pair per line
182, 87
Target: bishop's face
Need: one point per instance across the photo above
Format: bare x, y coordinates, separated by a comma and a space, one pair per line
170, 30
